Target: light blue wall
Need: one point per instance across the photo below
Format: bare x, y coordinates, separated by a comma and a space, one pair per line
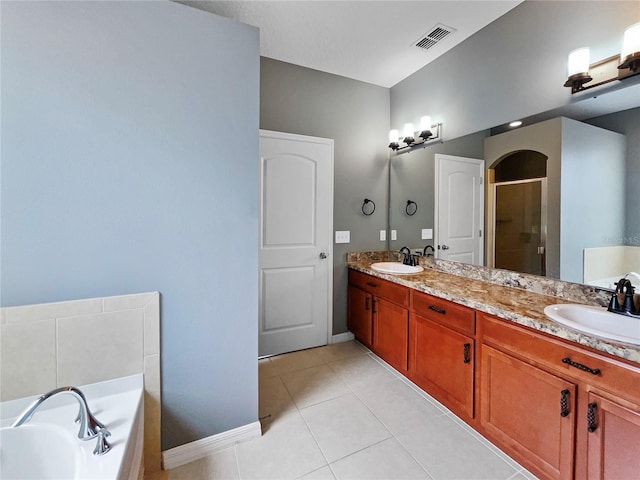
129, 148
592, 193
627, 122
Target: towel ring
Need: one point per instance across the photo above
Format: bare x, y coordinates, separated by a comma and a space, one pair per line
411, 208
368, 210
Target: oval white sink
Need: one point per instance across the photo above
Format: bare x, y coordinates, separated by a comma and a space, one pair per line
37, 452
596, 321
396, 268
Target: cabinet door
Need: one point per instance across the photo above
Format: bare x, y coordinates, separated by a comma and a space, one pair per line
359, 317
391, 333
613, 441
529, 411
442, 363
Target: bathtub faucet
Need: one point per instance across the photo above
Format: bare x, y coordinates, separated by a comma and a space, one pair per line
89, 425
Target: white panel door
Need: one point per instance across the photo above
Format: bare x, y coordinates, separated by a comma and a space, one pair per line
296, 223
459, 209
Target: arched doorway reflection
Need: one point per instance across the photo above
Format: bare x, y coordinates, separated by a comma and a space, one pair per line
519, 194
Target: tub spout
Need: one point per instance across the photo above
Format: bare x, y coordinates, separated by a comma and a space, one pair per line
89, 425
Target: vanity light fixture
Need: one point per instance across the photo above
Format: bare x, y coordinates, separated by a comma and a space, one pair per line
583, 75
428, 133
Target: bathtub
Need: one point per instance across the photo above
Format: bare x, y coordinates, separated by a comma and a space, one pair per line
47, 447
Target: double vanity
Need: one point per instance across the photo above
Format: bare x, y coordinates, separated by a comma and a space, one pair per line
563, 403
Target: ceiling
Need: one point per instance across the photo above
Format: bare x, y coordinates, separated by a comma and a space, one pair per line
370, 41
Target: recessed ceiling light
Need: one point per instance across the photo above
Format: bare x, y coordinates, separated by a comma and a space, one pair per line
515, 124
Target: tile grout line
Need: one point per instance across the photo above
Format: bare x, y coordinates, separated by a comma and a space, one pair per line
56, 350
446, 412
312, 436
487, 444
443, 412
395, 437
235, 455
326, 363
397, 379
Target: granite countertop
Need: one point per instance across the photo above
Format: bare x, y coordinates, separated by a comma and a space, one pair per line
517, 305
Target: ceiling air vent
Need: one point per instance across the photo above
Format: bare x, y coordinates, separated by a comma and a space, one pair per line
434, 35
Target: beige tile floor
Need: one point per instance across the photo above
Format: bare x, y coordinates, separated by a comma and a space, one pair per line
339, 412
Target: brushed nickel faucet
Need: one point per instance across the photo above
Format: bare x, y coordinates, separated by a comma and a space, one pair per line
90, 426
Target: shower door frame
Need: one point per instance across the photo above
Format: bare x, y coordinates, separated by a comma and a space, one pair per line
492, 204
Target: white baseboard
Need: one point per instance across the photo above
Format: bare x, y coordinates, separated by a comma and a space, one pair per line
189, 452
342, 337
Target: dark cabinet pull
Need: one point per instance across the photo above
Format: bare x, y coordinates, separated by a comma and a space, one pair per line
564, 402
437, 310
366, 303
592, 423
371, 284
579, 366
466, 353
373, 302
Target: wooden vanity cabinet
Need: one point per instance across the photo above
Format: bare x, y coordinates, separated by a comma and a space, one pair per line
359, 315
562, 411
613, 448
442, 351
378, 316
529, 410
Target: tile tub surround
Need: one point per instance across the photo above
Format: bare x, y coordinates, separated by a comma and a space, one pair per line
514, 304
51, 345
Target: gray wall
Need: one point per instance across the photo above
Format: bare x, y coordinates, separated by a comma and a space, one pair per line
120, 174
513, 68
355, 115
627, 122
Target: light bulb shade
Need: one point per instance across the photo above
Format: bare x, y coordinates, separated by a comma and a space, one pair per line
630, 56
425, 123
631, 41
393, 136
408, 130
578, 62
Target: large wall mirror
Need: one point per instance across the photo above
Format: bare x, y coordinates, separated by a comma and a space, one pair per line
572, 202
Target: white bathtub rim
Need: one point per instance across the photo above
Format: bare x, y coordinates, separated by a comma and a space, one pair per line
10, 409
126, 394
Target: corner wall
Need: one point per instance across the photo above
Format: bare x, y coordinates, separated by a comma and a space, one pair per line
627, 122
592, 180
546, 138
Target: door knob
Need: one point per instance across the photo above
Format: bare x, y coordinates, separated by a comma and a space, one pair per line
323, 255
445, 247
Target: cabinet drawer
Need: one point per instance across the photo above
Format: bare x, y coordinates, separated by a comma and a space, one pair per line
609, 374
447, 313
382, 288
